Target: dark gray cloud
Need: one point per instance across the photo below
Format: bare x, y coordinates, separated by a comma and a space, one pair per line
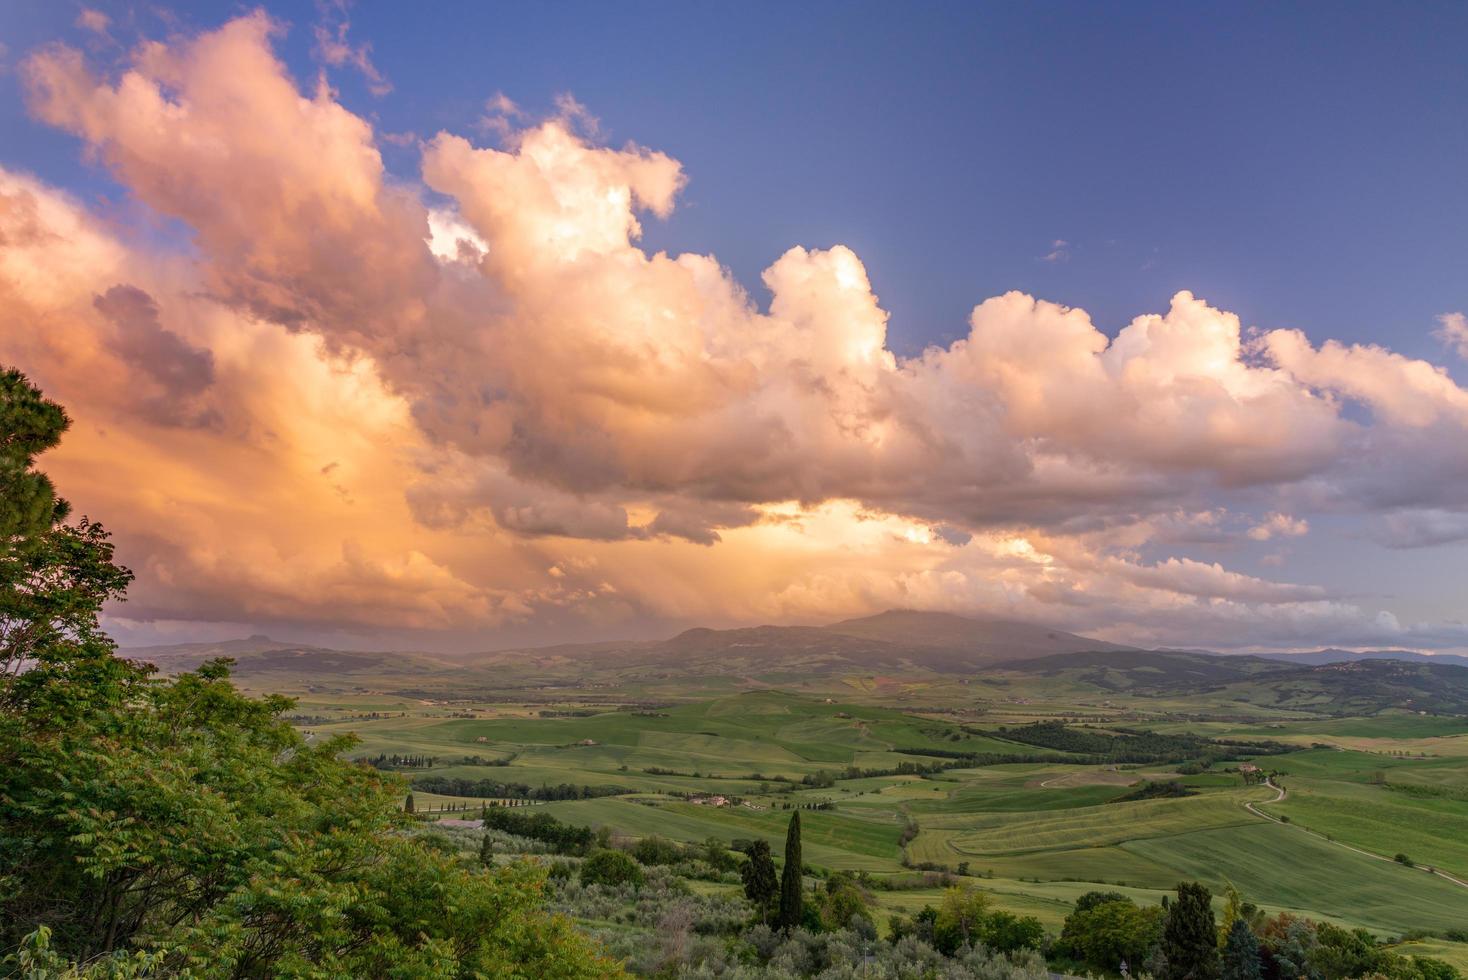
179, 372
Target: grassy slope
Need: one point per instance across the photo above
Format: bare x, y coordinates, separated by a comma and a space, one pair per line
1281, 866
1036, 821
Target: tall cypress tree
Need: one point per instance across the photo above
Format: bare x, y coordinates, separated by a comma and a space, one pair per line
791, 882
1190, 938
1241, 953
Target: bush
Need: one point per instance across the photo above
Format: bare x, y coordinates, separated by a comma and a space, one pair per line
657, 850
610, 868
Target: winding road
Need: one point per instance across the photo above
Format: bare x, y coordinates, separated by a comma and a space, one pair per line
1280, 794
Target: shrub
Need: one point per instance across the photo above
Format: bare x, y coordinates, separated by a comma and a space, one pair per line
610, 868
657, 850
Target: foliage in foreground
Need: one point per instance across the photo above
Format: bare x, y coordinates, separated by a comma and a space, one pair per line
664, 929
176, 827
1107, 930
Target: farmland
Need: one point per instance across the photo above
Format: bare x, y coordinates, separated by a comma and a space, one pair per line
891, 790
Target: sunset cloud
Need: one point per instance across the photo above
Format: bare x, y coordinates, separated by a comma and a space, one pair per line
468, 396
1452, 330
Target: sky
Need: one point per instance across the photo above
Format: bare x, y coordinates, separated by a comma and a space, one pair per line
487, 325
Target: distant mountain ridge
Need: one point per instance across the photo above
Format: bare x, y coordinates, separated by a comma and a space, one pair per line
892, 641
898, 637
896, 640
986, 639
894, 644
260, 654
1333, 656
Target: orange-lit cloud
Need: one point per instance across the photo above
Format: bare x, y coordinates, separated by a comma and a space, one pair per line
472, 398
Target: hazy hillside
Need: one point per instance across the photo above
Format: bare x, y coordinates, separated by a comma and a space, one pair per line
1332, 656
260, 655
1353, 687
899, 643
983, 639
1161, 670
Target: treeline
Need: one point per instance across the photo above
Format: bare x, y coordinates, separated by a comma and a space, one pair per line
1134, 746
394, 760
494, 788
964, 919
563, 838
1107, 933
822, 805
1153, 789
962, 760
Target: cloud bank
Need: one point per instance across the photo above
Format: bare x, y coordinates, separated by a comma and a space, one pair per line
468, 397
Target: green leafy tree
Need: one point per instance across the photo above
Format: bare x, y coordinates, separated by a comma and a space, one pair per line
716, 854
36, 959
761, 884
1107, 929
611, 868
792, 882
1241, 953
960, 918
1006, 932
1289, 942
1090, 900
1350, 953
176, 827
1233, 910
1190, 937
842, 900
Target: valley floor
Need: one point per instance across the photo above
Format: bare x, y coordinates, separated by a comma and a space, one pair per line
1034, 826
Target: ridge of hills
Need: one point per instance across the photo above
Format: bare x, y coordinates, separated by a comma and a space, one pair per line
1334, 656
896, 639
900, 643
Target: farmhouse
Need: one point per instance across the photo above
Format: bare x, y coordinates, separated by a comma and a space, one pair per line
710, 800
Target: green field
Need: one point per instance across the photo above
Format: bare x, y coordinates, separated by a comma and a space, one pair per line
1036, 833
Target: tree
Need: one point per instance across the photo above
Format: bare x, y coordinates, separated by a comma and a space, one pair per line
1241, 953
1289, 942
715, 854
792, 882
54, 576
409, 806
182, 820
611, 868
960, 918
1233, 909
842, 901
1108, 928
761, 885
1189, 937
1090, 900
1006, 932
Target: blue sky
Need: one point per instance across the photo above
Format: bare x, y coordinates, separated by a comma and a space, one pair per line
1300, 165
